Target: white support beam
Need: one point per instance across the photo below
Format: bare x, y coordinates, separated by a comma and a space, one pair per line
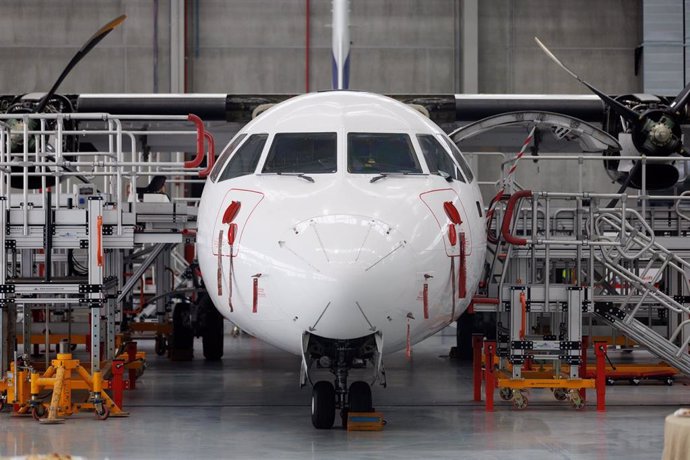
177, 46
470, 46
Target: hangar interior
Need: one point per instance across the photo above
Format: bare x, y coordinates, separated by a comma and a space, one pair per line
574, 337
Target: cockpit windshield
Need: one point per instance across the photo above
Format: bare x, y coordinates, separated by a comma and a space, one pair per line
302, 153
373, 153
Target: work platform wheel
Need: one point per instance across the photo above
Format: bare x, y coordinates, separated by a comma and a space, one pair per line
360, 397
506, 394
38, 412
560, 394
101, 411
323, 405
635, 381
576, 399
669, 381
520, 401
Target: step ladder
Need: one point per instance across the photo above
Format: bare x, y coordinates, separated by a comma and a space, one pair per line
638, 243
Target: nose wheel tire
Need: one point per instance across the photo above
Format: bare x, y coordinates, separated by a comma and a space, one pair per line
360, 397
323, 405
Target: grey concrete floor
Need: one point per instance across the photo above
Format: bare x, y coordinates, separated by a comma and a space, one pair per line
250, 406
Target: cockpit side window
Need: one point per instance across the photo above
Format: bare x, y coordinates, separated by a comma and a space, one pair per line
225, 156
459, 158
246, 158
373, 153
437, 158
307, 153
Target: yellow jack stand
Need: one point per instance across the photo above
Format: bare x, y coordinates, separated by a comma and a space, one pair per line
17, 389
63, 376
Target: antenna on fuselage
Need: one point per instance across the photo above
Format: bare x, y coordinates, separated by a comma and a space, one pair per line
341, 44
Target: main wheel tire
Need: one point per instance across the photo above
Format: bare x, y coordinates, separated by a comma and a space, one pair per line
182, 342
211, 329
323, 405
161, 345
360, 397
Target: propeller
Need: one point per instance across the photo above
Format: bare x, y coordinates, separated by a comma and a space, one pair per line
17, 146
83, 51
655, 131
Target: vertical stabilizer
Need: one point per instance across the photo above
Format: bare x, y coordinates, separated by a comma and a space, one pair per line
341, 44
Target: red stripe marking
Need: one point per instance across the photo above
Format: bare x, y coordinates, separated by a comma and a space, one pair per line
255, 303
425, 296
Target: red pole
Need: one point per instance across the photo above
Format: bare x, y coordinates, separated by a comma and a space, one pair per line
477, 340
600, 351
583, 365
131, 357
489, 384
117, 385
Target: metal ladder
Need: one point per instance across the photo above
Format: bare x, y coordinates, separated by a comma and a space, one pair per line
638, 243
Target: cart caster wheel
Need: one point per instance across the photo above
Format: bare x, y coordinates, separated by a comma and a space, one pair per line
38, 412
579, 404
506, 394
669, 381
560, 394
2, 405
520, 401
610, 382
635, 381
576, 400
101, 411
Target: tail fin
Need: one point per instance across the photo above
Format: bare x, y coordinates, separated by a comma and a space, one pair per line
341, 44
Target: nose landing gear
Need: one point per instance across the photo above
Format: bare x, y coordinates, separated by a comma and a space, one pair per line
325, 399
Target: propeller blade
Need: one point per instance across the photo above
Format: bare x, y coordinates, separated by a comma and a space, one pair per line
681, 100
616, 106
88, 46
624, 186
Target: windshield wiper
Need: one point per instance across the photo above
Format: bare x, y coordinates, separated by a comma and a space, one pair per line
394, 174
297, 174
445, 175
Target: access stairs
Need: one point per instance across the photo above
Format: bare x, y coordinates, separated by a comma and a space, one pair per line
635, 280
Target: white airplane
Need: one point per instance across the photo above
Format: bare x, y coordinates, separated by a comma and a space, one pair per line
337, 226
341, 225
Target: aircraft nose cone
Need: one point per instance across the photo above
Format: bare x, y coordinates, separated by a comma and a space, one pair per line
348, 264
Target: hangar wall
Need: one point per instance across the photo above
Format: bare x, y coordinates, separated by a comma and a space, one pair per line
244, 46
398, 46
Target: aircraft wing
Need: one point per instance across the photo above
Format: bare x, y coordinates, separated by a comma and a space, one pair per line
442, 108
